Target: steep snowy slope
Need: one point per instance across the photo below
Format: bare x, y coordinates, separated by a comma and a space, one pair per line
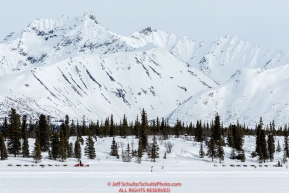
229, 53
77, 66
248, 95
97, 86
219, 59
47, 41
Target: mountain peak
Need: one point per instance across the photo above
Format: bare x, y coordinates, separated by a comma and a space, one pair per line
88, 60
92, 17
147, 30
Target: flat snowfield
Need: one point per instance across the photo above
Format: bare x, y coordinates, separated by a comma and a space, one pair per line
182, 172
132, 177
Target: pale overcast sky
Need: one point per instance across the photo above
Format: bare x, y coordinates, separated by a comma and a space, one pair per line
258, 21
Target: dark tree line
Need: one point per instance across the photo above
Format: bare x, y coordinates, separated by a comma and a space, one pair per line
54, 139
48, 138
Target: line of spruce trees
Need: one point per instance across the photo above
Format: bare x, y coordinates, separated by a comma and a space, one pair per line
233, 137
54, 139
265, 143
49, 138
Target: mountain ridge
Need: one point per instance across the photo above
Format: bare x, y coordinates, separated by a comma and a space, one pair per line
247, 96
84, 56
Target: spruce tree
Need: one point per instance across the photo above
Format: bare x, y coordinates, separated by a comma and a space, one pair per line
106, 127
236, 142
89, 149
114, 149
154, 149
124, 127
83, 126
55, 146
230, 141
157, 125
77, 150
167, 130
133, 153
233, 153
67, 127
24, 126
261, 145
123, 155
43, 133
284, 158
136, 128
14, 133
223, 134
201, 152
264, 146
220, 152
37, 131
153, 127
131, 128
237, 138
25, 145
128, 154
191, 129
144, 129
70, 150
37, 151
78, 130
260, 156
216, 133
65, 134
211, 153
271, 146
163, 129
206, 132
177, 128
286, 144
97, 128
3, 151
278, 148
258, 137
31, 129
112, 132
199, 132
5, 128
149, 152
139, 151
79, 133
72, 128
62, 147
243, 156
50, 129
219, 144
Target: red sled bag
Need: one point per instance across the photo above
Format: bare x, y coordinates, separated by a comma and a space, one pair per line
82, 165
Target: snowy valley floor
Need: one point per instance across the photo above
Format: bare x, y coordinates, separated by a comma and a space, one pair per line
181, 166
96, 179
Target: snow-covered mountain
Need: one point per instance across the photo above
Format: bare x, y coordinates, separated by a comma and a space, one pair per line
47, 41
218, 59
249, 94
76, 66
96, 86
